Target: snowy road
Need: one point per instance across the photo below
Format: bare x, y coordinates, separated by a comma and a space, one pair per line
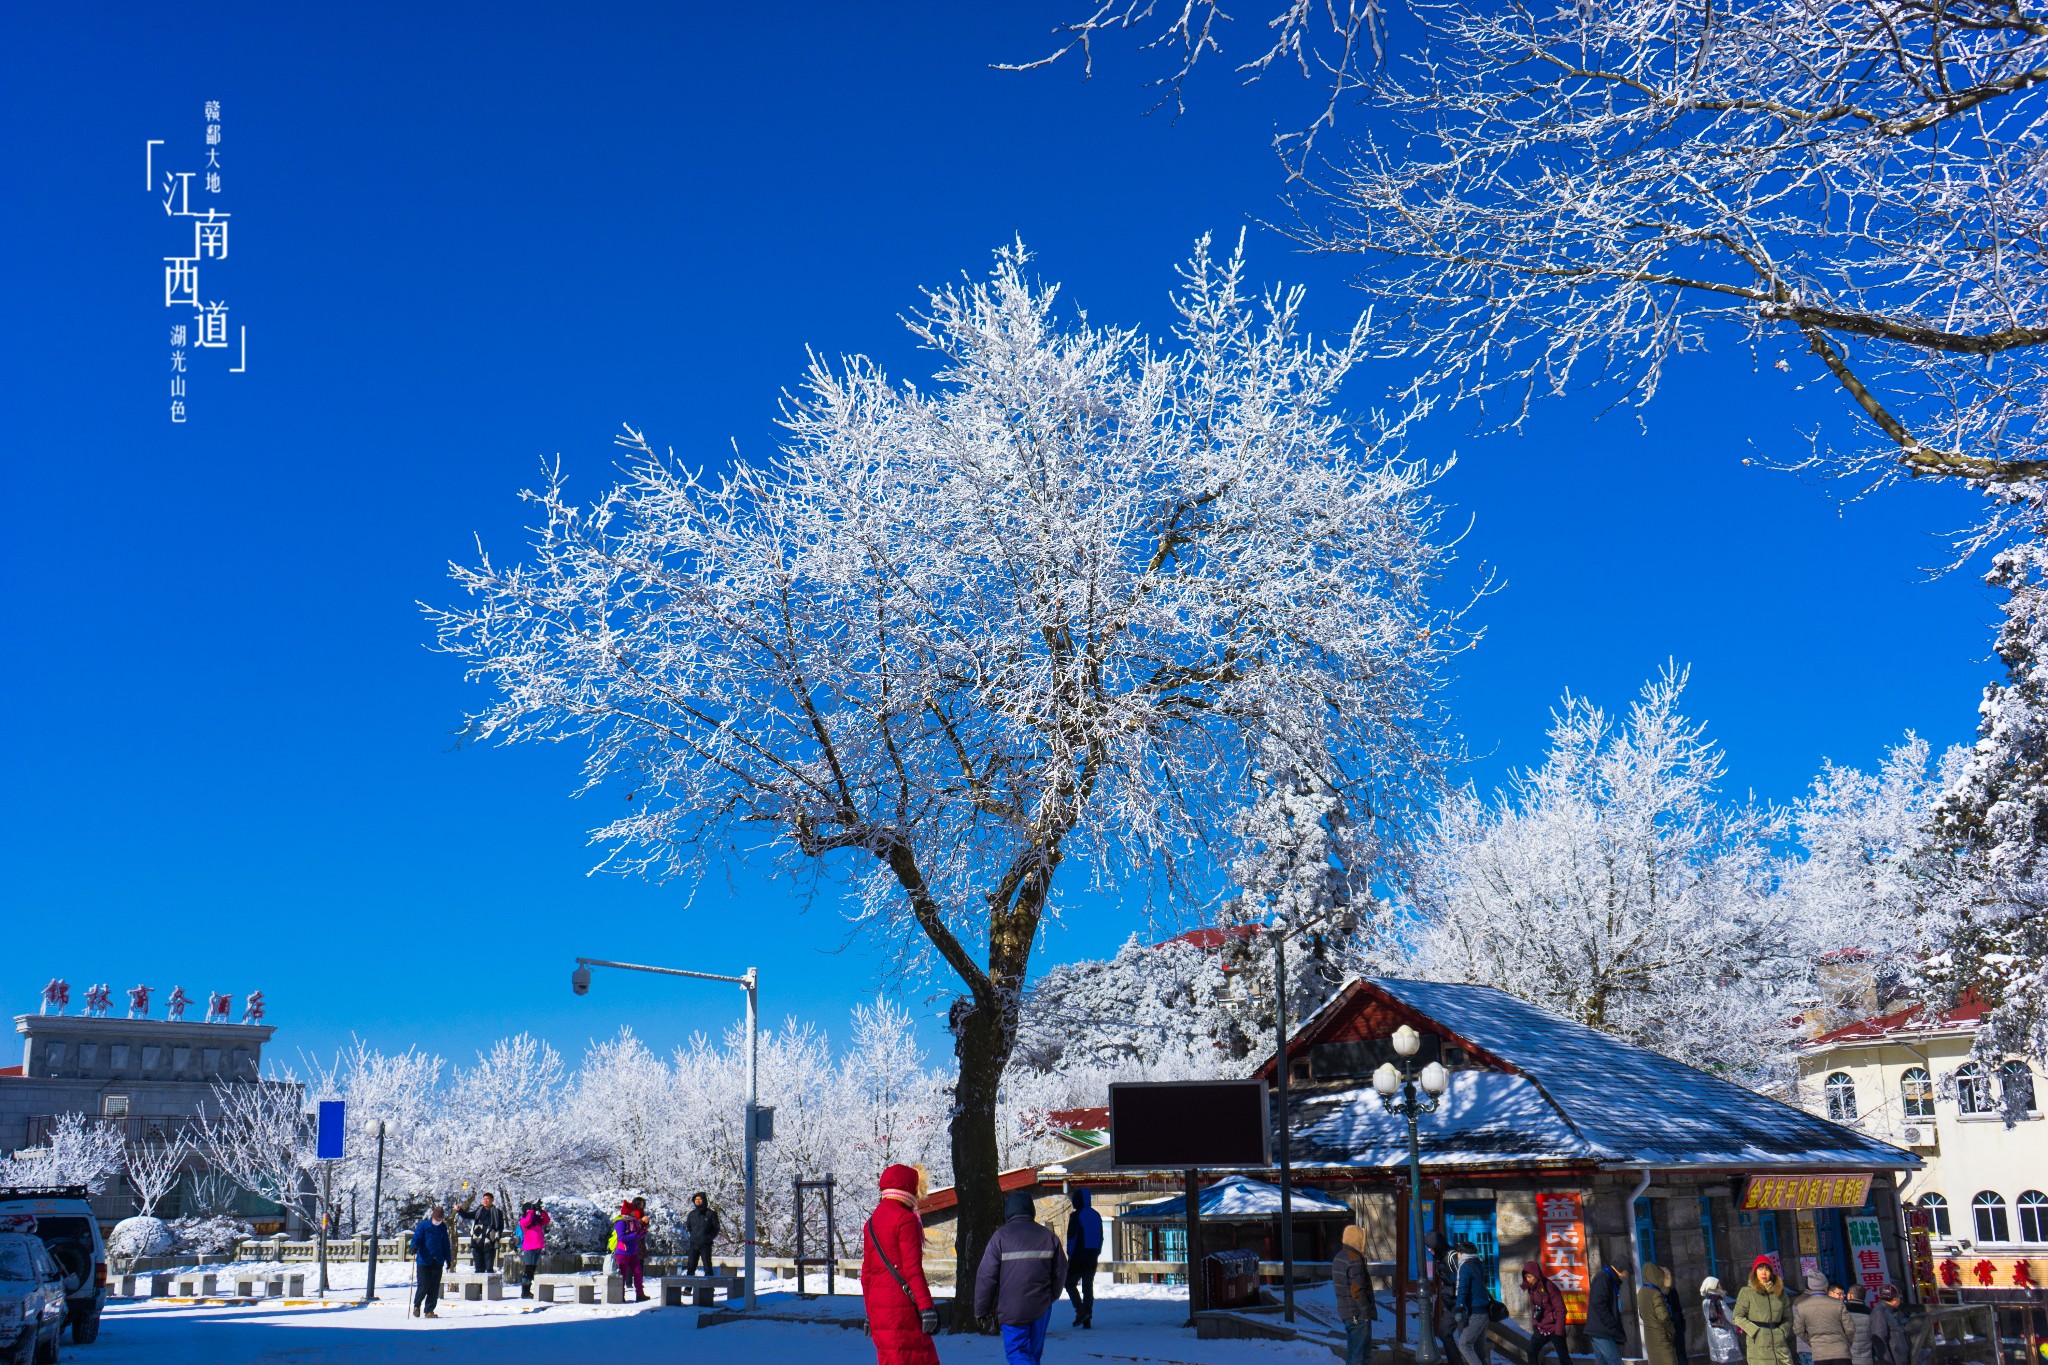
1127, 1329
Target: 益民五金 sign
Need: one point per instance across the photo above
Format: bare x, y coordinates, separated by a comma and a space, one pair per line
1806, 1191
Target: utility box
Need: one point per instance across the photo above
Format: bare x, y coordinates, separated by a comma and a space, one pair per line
1230, 1279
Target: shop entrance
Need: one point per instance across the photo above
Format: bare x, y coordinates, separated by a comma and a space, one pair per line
1472, 1220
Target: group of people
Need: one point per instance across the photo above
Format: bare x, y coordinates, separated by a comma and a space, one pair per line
1022, 1274
433, 1245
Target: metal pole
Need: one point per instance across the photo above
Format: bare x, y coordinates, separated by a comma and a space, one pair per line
1286, 1167
751, 981
1425, 1322
1194, 1236
326, 1212
376, 1207
831, 1239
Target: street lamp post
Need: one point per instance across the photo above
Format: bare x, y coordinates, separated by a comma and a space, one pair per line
1286, 1163
579, 981
1419, 1092
374, 1128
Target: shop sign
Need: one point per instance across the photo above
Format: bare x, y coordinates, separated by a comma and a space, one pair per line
1806, 1191
1866, 1251
1561, 1235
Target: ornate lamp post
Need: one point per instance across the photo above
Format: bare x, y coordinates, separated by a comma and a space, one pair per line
1419, 1092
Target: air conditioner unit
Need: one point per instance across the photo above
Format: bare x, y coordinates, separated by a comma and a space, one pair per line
1912, 1136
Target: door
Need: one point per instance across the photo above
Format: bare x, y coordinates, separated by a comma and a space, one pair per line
1472, 1220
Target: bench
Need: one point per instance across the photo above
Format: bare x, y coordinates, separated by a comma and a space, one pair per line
669, 1290
583, 1286
275, 1284
473, 1285
197, 1284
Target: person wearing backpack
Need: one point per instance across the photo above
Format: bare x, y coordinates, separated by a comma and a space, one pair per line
901, 1317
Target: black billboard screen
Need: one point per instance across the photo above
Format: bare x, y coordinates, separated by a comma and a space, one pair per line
1172, 1125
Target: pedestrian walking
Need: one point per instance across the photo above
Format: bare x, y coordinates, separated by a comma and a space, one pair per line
1019, 1280
1605, 1324
1820, 1320
901, 1318
1351, 1278
700, 1230
1856, 1305
629, 1236
1724, 1342
1546, 1314
432, 1252
486, 1226
1662, 1344
1084, 1248
1444, 1277
533, 1236
1888, 1329
1472, 1306
1764, 1314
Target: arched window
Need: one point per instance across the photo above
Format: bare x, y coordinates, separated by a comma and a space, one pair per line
2034, 1216
1841, 1093
2016, 1079
1937, 1214
1973, 1090
1916, 1091
1989, 1209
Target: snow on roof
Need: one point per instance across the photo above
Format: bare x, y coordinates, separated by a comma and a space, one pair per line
1963, 1017
1485, 1118
1627, 1101
1238, 1196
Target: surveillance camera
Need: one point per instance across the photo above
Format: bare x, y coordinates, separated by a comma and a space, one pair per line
579, 980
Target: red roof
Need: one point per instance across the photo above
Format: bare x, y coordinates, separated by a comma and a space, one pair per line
10, 1071
1965, 1014
940, 1201
1096, 1118
1212, 937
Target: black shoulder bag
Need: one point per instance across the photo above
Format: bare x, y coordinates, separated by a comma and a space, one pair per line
927, 1318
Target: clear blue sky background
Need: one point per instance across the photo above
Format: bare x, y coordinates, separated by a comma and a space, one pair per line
467, 237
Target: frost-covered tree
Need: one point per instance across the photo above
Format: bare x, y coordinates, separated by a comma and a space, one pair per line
896, 1106
1148, 1003
1552, 197
1988, 933
1611, 884
259, 1136
75, 1151
507, 1120
155, 1163
956, 638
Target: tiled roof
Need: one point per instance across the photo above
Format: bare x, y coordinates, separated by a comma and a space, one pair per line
944, 1200
1963, 1016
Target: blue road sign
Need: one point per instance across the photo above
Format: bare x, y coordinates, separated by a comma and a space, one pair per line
333, 1128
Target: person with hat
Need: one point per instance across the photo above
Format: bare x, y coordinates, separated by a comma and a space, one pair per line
1019, 1280
901, 1316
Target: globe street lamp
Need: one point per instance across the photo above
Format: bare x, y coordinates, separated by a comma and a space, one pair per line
374, 1128
757, 1117
1418, 1092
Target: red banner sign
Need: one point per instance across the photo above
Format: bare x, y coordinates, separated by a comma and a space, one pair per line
1806, 1191
1561, 1233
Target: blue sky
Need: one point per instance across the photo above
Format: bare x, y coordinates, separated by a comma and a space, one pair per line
468, 237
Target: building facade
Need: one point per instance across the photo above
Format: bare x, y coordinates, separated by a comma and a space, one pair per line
1981, 1194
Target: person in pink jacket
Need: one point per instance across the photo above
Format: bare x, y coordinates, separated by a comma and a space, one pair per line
533, 1235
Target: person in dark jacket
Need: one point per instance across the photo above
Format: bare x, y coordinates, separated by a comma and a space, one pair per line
1605, 1326
1019, 1278
1663, 1331
1444, 1272
1084, 1246
486, 1226
1351, 1278
1546, 1314
700, 1230
432, 1253
1888, 1330
1472, 1306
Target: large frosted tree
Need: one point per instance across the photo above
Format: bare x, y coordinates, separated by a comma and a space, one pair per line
957, 638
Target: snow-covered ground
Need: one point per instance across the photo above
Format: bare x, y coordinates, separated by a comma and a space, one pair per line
1133, 1323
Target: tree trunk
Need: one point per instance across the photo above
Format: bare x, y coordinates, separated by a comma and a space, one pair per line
982, 1046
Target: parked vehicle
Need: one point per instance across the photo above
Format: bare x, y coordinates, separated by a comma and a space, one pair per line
31, 1302
62, 1220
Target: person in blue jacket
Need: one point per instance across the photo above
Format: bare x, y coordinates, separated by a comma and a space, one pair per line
1084, 1245
1472, 1306
432, 1252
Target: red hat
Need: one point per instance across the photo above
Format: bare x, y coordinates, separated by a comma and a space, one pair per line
1764, 1261
900, 1178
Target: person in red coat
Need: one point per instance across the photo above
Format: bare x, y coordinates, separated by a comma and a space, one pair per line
1546, 1313
900, 1314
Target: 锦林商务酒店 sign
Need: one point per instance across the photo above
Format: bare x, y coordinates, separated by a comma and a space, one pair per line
1807, 1191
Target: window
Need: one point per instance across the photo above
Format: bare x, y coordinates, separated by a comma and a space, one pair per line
1916, 1092
2034, 1216
1841, 1093
1989, 1209
1937, 1214
1973, 1090
2016, 1079
114, 1106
